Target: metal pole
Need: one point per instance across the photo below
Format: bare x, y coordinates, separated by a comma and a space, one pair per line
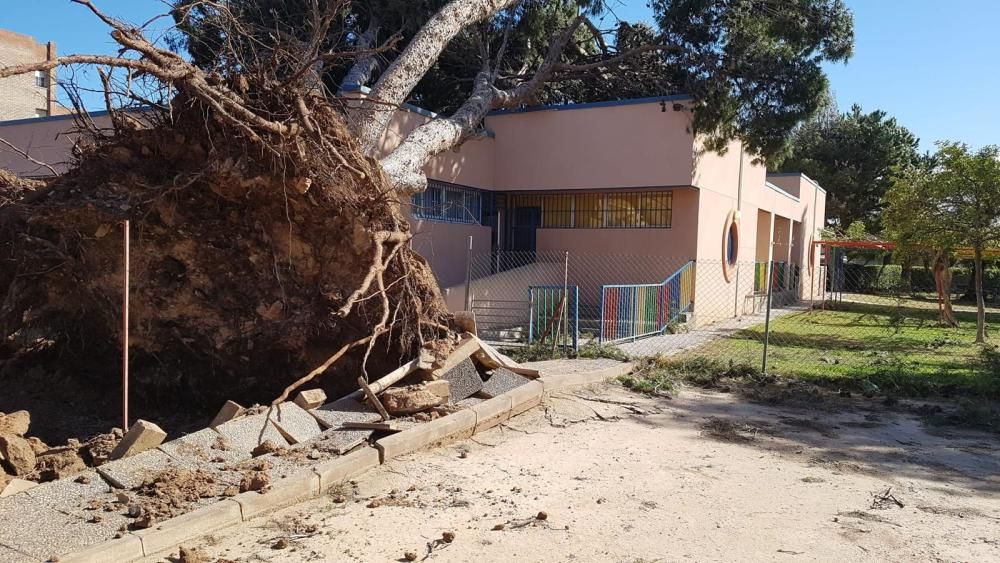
566, 297
125, 295
767, 317
468, 278
736, 298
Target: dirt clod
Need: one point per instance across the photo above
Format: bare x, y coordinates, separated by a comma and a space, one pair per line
410, 556
448, 537
18, 456
282, 543
264, 448
170, 493
192, 555
59, 463
254, 481
15, 423
542, 516
98, 449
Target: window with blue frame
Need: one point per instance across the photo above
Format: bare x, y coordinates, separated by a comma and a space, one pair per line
448, 203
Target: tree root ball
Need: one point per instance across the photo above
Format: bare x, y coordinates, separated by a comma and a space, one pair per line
250, 262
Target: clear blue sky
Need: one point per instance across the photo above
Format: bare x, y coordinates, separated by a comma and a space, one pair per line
934, 66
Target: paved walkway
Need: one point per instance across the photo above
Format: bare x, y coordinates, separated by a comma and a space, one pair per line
673, 344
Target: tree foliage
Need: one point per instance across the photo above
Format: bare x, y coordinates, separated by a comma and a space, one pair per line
855, 156
952, 202
753, 67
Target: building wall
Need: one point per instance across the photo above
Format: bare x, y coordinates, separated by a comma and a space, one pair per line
812, 217
49, 140
445, 246
607, 146
727, 184
20, 97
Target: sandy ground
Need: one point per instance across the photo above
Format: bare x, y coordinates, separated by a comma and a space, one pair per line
701, 477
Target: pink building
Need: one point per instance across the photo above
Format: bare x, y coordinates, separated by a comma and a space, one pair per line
625, 187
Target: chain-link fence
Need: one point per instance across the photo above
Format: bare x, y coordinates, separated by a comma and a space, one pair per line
856, 317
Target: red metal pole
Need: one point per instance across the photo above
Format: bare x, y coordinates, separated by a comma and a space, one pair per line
125, 295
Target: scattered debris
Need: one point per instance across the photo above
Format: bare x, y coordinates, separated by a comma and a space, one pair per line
463, 378
372, 398
311, 398
170, 493
98, 449
143, 435
884, 500
728, 431
266, 447
228, 412
58, 463
15, 423
17, 454
416, 398
465, 321
192, 555
14, 486
254, 481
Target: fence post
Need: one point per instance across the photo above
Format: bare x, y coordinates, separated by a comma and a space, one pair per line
468, 278
565, 307
767, 317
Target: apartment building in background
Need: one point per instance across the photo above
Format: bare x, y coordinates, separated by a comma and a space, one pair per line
28, 95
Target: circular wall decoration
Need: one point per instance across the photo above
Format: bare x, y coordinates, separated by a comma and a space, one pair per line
730, 245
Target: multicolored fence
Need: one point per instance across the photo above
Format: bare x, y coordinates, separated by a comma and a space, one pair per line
783, 276
633, 311
550, 316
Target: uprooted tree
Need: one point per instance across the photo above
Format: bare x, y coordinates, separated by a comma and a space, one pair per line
268, 236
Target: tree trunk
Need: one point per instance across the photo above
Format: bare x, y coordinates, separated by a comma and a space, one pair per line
906, 274
399, 79
942, 281
980, 301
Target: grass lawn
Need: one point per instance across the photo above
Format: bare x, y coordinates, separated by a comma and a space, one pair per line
894, 345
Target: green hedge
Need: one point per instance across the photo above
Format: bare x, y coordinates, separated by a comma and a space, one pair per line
876, 278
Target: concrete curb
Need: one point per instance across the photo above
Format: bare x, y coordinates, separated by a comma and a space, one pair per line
186, 526
525, 397
283, 492
455, 426
342, 468
553, 383
313, 482
126, 548
492, 412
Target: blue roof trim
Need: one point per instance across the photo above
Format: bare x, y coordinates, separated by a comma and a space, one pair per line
781, 191
589, 105
801, 175
101, 113
355, 88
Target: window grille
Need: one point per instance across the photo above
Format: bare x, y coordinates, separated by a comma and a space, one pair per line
448, 203
614, 210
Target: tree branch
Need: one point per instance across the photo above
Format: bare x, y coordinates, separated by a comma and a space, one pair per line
363, 68
404, 166
399, 79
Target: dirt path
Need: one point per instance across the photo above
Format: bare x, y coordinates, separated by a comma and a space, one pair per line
703, 477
